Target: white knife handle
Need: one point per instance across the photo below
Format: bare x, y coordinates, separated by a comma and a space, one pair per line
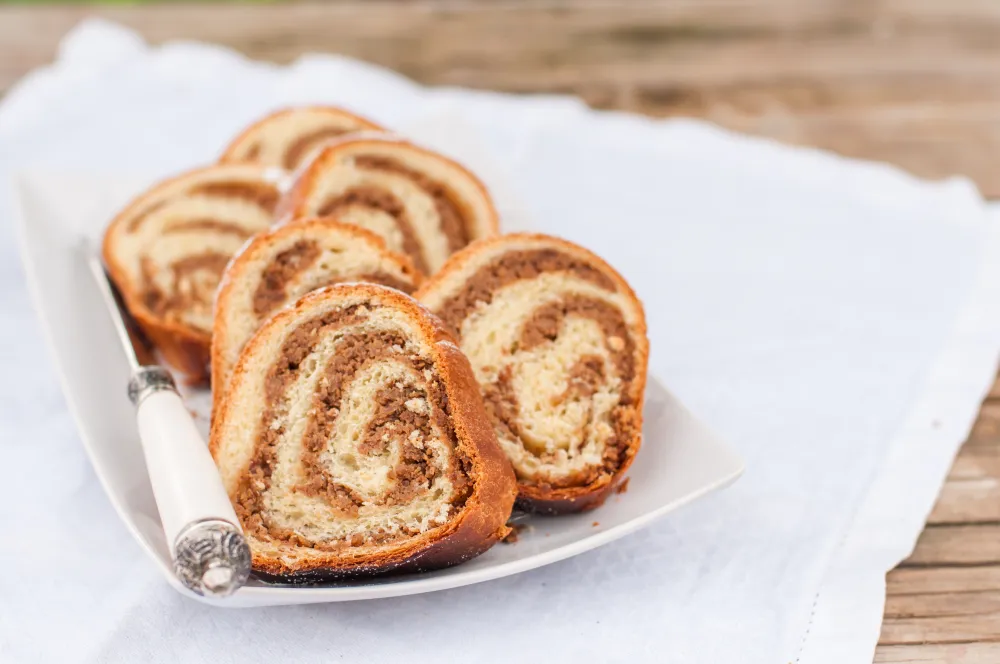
211, 556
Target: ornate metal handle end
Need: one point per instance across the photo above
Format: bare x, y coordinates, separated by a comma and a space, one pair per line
212, 558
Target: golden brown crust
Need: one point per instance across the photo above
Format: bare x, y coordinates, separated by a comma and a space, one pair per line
236, 270
481, 521
183, 347
293, 203
232, 152
541, 498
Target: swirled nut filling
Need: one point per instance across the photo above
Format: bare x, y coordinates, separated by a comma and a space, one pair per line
299, 149
261, 194
453, 223
516, 266
252, 152
448, 219
183, 288
194, 279
378, 199
271, 292
406, 438
202, 224
277, 268
566, 329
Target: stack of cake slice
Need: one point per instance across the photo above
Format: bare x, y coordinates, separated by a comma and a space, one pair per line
388, 373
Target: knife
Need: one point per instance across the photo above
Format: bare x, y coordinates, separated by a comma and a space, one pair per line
210, 554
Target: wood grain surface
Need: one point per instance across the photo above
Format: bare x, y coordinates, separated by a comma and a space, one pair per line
912, 82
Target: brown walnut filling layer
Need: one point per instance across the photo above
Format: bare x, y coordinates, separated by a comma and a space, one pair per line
220, 227
454, 224
304, 144
378, 199
271, 291
252, 152
544, 325
393, 421
547, 320
186, 292
515, 266
262, 194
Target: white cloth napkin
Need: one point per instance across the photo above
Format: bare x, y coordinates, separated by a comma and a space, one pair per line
836, 321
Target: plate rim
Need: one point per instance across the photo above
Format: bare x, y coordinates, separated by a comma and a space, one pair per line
263, 595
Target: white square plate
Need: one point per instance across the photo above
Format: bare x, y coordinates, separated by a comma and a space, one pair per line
680, 459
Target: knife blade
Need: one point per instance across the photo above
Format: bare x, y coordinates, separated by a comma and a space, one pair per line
138, 349
210, 554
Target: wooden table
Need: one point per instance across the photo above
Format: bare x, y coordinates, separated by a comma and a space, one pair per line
913, 82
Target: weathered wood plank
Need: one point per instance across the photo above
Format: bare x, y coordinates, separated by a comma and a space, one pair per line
986, 431
971, 493
956, 653
912, 82
532, 47
941, 629
965, 501
974, 544
937, 605
931, 581
976, 461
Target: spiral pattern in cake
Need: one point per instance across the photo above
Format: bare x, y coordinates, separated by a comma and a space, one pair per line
557, 341
167, 250
287, 138
352, 439
281, 265
420, 202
